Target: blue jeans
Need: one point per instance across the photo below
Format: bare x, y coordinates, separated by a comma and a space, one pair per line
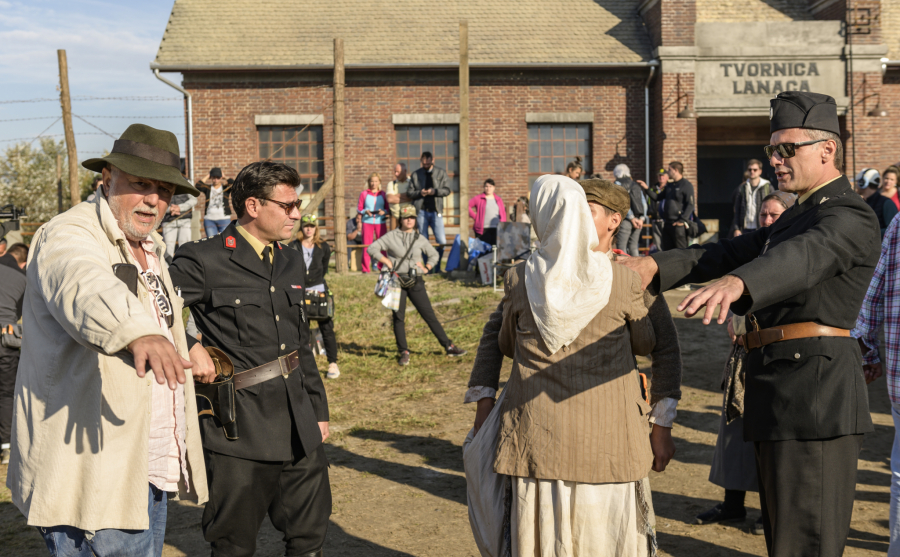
66, 541
436, 222
894, 527
214, 227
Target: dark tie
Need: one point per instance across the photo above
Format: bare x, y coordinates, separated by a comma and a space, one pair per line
265, 256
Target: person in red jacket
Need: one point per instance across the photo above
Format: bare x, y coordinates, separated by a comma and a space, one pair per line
487, 212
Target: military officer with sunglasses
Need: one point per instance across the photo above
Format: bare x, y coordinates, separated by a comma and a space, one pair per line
245, 290
801, 283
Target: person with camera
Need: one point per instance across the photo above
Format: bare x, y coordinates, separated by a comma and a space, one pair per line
316, 254
404, 247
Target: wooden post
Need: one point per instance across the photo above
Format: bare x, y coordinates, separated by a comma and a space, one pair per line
66, 101
464, 137
59, 208
340, 226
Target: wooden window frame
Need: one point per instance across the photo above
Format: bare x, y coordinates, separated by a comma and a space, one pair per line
553, 145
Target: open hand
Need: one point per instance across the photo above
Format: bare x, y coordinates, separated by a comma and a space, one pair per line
323, 427
642, 184
158, 354
723, 293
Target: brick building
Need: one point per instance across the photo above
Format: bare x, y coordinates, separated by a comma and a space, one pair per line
549, 80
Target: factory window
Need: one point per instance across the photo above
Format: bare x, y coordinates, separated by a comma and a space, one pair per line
300, 147
443, 143
551, 147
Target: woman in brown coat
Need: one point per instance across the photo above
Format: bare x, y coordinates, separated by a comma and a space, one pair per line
572, 428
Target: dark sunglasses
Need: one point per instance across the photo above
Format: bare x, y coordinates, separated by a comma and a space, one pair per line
288, 207
787, 150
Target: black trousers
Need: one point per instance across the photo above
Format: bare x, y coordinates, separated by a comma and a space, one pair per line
296, 495
489, 236
419, 298
806, 490
674, 237
656, 231
9, 363
326, 326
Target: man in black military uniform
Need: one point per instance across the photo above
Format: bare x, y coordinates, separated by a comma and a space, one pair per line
802, 282
245, 292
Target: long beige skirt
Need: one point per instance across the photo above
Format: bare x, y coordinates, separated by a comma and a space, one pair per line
553, 518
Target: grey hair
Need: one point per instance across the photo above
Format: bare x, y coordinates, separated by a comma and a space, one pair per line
815, 135
621, 170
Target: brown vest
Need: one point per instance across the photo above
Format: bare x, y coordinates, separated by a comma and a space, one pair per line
576, 415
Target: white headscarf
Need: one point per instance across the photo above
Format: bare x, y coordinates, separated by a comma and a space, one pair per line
567, 283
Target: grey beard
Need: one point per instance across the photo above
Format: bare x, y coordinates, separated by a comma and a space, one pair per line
126, 224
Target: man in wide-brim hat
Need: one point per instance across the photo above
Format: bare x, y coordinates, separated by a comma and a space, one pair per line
105, 417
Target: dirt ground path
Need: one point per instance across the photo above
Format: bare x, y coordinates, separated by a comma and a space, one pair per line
396, 461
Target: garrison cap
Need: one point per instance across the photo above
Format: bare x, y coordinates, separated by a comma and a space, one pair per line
798, 109
607, 194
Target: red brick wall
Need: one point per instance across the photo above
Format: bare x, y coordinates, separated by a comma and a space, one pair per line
835, 10
677, 22
673, 138
873, 147
225, 134
890, 101
866, 19
653, 23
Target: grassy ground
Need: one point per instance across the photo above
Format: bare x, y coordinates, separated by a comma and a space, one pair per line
395, 451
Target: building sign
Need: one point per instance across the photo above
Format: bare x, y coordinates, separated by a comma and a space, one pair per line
738, 67
741, 73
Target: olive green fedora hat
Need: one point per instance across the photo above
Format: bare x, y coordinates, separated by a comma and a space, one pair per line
149, 153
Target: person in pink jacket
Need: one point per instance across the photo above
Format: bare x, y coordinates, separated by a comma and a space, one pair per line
487, 212
373, 206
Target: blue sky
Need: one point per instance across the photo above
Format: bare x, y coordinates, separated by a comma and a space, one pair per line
109, 46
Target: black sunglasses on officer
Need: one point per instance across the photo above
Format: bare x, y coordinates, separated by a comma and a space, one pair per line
787, 150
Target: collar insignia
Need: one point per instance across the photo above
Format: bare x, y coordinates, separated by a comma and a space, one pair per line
230, 242
824, 199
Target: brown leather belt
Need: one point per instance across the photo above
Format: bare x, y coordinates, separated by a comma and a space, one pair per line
283, 366
758, 339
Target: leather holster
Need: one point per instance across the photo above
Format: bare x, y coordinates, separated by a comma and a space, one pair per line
219, 394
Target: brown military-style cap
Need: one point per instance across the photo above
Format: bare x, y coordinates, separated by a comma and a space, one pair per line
607, 194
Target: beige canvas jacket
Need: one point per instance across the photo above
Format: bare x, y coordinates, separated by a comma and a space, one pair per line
79, 451
576, 415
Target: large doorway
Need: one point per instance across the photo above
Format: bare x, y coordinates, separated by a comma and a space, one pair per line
724, 147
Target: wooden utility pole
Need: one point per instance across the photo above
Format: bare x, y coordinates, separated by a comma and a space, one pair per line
59, 208
464, 136
340, 227
66, 102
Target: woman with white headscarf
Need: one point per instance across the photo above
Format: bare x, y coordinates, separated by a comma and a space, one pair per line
571, 425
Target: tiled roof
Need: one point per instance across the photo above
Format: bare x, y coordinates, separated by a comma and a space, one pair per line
752, 10
285, 33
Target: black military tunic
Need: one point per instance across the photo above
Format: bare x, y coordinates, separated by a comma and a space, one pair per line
252, 310
813, 264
